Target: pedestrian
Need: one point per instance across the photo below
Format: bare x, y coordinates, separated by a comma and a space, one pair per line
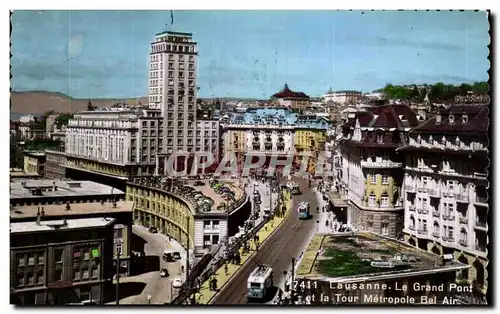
182, 268
226, 269
215, 284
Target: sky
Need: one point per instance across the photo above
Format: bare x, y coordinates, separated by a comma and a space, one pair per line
249, 54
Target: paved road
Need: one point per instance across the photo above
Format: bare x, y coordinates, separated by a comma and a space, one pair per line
157, 287
288, 241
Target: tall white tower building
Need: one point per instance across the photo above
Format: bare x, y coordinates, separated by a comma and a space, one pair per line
172, 88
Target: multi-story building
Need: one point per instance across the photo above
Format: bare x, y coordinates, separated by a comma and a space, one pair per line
446, 188
342, 97
290, 99
310, 138
275, 132
172, 89
74, 199
372, 171
174, 208
208, 136
119, 142
57, 262
34, 162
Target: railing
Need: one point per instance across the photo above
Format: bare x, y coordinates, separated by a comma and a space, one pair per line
463, 242
422, 231
463, 219
409, 188
411, 208
449, 216
435, 192
462, 197
447, 238
436, 234
422, 211
435, 213
480, 224
481, 248
423, 189
481, 199
411, 228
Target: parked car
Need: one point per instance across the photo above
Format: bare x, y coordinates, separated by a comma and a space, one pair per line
199, 183
164, 272
176, 255
153, 230
177, 283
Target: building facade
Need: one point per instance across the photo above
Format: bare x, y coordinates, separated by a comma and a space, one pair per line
172, 89
290, 99
372, 171
208, 136
342, 97
55, 164
446, 188
119, 142
34, 162
170, 207
57, 262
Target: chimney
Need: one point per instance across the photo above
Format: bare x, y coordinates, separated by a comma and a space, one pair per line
38, 217
68, 207
43, 211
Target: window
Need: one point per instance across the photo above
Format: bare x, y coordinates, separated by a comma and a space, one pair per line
385, 228
95, 272
76, 272
373, 178
85, 273
436, 228
86, 254
385, 179
425, 203
215, 239
424, 225
451, 118
449, 208
384, 200
118, 248
443, 140
31, 279
380, 137
206, 241
450, 232
465, 119
21, 259
20, 278
371, 199
451, 185
215, 224
206, 224
31, 258
41, 258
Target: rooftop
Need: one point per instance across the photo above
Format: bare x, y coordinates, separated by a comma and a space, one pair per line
287, 93
18, 212
348, 258
52, 225
34, 154
278, 117
26, 188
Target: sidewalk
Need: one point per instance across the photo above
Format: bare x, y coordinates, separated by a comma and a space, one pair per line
205, 295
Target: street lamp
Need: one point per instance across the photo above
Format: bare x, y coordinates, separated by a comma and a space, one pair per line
317, 226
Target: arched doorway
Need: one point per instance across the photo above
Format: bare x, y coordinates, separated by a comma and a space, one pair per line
463, 274
479, 273
412, 242
435, 250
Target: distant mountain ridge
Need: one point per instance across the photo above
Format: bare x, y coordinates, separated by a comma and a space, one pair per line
39, 102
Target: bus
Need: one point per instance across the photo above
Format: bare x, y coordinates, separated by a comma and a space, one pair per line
259, 282
303, 210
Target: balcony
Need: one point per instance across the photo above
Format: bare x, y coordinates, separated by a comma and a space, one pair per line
424, 188
463, 219
436, 234
435, 193
480, 225
448, 238
435, 213
480, 247
411, 228
422, 211
481, 200
410, 188
269, 139
411, 207
462, 197
422, 231
256, 141
449, 216
462, 242
381, 164
279, 144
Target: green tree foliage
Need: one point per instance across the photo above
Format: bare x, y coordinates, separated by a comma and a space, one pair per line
16, 154
42, 145
439, 92
63, 118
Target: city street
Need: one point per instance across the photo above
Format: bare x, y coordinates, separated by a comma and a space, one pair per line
288, 241
160, 289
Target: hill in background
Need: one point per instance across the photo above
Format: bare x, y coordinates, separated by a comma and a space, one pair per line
39, 102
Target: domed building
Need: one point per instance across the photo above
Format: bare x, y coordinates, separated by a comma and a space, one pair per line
290, 99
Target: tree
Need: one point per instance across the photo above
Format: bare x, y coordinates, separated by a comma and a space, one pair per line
63, 118
16, 154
